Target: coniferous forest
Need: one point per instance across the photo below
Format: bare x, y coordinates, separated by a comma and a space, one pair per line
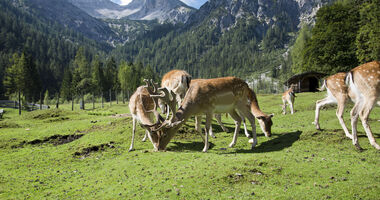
40, 57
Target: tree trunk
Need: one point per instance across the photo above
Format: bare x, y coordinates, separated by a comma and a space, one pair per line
110, 97
117, 100
19, 102
57, 105
72, 103
83, 104
122, 94
102, 100
40, 100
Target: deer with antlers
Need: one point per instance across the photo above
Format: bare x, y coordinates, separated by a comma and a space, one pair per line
364, 82
220, 95
337, 93
288, 97
144, 110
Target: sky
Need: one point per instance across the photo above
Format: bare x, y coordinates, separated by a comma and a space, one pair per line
192, 3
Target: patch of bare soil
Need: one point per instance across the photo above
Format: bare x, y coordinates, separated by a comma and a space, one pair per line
55, 140
87, 151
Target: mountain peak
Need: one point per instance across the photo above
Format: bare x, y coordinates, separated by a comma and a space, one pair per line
173, 11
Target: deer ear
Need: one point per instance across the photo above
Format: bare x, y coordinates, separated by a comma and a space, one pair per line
271, 115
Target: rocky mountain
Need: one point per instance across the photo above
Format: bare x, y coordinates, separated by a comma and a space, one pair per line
173, 11
68, 15
226, 13
225, 37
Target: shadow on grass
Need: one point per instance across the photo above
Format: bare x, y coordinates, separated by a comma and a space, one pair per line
277, 144
192, 146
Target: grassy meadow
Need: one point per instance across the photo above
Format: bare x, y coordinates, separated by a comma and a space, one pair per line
64, 154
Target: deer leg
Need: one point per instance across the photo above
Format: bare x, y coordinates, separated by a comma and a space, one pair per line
237, 120
145, 136
245, 128
291, 103
207, 129
354, 122
364, 114
133, 133
251, 120
198, 122
339, 114
218, 118
318, 106
284, 107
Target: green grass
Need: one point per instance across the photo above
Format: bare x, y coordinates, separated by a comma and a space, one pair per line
64, 154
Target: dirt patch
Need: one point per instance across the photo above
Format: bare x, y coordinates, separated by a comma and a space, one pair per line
87, 151
55, 140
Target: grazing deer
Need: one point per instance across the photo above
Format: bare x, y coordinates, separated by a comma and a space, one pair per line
220, 95
288, 96
177, 81
337, 93
144, 109
364, 82
218, 118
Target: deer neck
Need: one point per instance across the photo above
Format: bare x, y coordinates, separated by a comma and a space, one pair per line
255, 109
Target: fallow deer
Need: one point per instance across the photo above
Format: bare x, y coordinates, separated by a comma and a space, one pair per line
337, 93
364, 82
144, 110
218, 118
177, 81
220, 95
288, 97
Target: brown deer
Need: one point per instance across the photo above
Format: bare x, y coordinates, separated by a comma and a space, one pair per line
144, 110
220, 95
337, 93
288, 97
364, 82
177, 81
218, 118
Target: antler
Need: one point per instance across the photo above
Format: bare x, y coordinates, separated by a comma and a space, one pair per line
165, 97
152, 90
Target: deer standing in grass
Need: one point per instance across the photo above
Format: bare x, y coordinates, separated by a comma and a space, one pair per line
337, 93
218, 117
141, 106
179, 82
288, 97
220, 95
364, 82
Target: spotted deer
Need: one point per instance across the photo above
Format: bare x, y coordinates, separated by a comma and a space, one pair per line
337, 93
220, 95
364, 82
288, 97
